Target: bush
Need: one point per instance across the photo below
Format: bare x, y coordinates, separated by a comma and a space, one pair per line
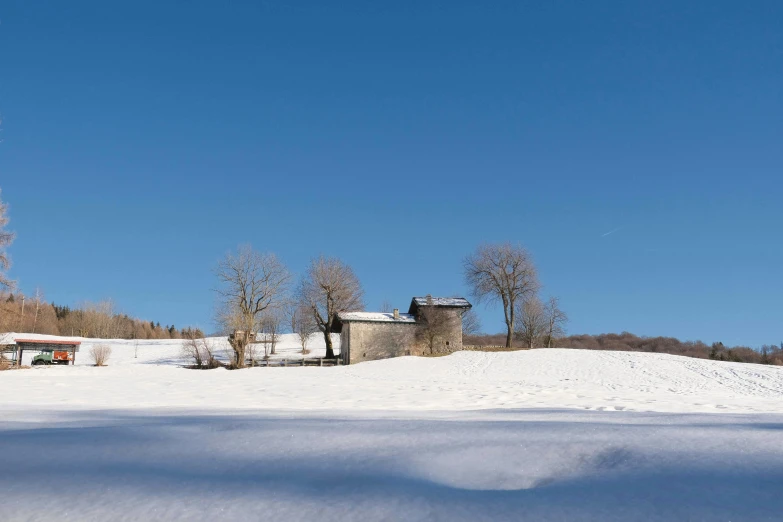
4, 363
100, 354
199, 350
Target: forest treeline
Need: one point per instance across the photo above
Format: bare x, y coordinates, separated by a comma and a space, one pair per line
628, 342
27, 314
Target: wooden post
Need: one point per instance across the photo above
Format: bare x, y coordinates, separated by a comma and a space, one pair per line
73, 360
321, 361
19, 352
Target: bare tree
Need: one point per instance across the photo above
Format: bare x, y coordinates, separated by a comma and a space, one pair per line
6, 238
302, 323
501, 273
100, 354
435, 324
532, 321
250, 284
471, 323
330, 286
386, 307
555, 321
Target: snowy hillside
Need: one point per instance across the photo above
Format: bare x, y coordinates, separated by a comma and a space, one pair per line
169, 352
532, 435
150, 374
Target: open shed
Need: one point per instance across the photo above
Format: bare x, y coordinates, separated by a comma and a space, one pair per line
42, 345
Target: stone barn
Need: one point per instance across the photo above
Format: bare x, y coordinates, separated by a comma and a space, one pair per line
433, 325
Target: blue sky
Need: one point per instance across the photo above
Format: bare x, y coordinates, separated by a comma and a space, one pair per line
143, 140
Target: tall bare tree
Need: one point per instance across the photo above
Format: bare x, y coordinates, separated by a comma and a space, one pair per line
6, 238
250, 284
532, 321
501, 273
556, 320
330, 286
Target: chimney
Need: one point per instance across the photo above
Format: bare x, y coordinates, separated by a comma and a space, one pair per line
396, 313
429, 299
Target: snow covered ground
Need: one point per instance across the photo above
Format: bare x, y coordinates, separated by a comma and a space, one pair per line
533, 435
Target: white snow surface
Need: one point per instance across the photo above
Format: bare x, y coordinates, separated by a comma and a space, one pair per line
548, 434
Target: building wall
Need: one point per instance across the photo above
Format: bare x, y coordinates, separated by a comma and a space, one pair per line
369, 341
448, 331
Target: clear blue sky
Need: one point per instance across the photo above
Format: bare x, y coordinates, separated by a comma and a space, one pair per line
141, 141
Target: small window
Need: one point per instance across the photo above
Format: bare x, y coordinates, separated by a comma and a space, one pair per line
447, 343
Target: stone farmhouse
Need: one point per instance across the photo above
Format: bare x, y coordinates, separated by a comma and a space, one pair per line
433, 325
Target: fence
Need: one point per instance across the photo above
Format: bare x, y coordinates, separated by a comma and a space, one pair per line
284, 363
478, 348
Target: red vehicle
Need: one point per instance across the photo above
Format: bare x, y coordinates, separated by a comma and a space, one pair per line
53, 357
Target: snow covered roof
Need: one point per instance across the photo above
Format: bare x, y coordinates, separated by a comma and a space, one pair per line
447, 302
375, 317
47, 341
458, 302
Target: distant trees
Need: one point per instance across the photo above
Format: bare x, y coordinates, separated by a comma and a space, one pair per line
250, 285
501, 273
6, 238
628, 342
329, 286
22, 313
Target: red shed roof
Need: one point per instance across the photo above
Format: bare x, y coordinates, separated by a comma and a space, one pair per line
47, 341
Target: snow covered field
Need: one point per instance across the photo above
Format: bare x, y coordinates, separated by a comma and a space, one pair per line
533, 435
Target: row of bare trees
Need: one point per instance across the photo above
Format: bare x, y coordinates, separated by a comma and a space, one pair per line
33, 314
505, 274
257, 294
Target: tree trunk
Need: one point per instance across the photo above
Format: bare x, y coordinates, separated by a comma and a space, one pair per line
329, 349
239, 351
508, 337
